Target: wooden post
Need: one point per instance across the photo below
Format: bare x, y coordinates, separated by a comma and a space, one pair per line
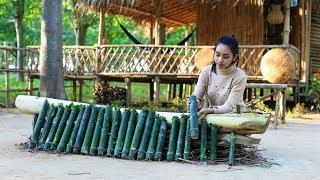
188, 31
286, 26
276, 110
307, 49
101, 38
158, 22
30, 86
74, 89
174, 91
152, 25
180, 90
261, 92
245, 94
185, 91
128, 91
157, 90
303, 58
7, 75
169, 89
80, 89
282, 108
151, 91
249, 94
271, 91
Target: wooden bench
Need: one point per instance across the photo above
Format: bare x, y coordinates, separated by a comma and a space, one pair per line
279, 93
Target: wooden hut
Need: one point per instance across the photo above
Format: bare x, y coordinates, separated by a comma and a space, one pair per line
296, 31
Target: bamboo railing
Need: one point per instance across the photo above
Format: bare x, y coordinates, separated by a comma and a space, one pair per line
8, 66
157, 60
81, 62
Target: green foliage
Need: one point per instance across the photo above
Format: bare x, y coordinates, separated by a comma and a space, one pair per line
262, 107
314, 92
297, 111
180, 104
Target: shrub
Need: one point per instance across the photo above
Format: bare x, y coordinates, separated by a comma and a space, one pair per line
313, 93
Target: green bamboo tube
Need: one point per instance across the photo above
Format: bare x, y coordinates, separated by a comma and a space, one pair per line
47, 126
90, 130
53, 128
68, 129
122, 132
203, 141
173, 138
74, 133
194, 131
82, 129
35, 116
38, 125
129, 134
154, 138
114, 131
213, 144
232, 147
187, 142
181, 136
106, 126
61, 127
161, 140
34, 121
138, 133
146, 135
97, 133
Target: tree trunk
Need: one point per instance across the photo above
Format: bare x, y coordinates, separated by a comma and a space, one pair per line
81, 34
19, 35
51, 67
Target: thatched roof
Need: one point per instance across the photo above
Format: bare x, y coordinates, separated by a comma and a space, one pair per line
174, 12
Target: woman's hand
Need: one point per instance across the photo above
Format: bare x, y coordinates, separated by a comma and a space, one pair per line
203, 112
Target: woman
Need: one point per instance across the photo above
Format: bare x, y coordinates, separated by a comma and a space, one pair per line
223, 82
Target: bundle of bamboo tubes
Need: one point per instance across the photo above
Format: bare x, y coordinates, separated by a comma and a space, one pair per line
134, 134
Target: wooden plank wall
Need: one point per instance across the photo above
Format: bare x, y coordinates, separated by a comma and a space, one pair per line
245, 19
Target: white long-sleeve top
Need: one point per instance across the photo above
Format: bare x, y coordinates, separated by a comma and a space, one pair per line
224, 89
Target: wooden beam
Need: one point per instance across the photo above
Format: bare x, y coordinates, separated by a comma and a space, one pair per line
286, 27
303, 60
158, 23
156, 86
147, 14
101, 27
240, 139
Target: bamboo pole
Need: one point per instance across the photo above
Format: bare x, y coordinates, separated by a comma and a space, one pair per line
152, 25
308, 31
282, 106
7, 75
169, 88
286, 27
156, 90
158, 22
180, 90
128, 91
303, 61
80, 90
101, 27
30, 86
276, 111
151, 92
74, 90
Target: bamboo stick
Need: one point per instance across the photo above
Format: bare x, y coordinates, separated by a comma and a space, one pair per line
7, 75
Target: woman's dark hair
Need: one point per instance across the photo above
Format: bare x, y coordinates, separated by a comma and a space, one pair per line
232, 43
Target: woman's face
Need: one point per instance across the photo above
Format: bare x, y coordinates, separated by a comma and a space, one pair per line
223, 56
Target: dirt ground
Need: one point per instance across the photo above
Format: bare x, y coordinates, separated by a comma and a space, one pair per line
294, 146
